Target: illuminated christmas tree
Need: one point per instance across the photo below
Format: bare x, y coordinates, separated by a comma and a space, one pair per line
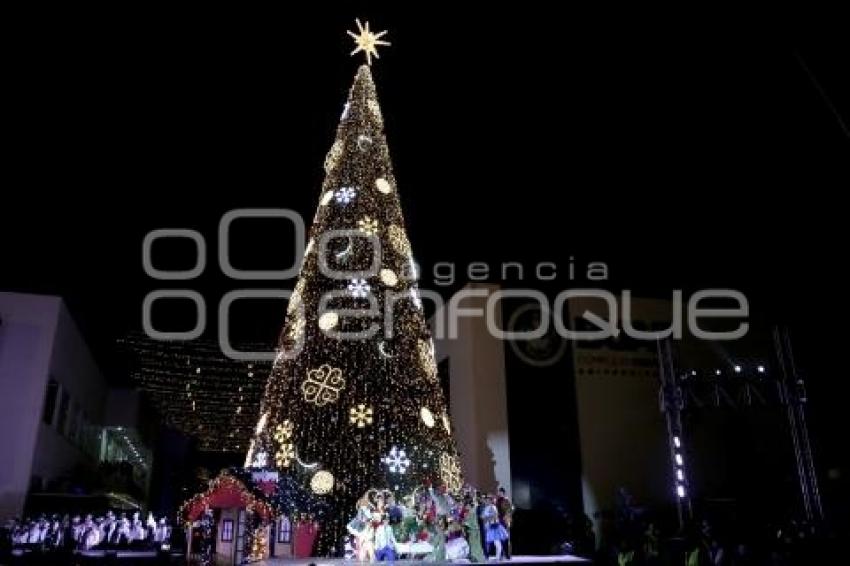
348, 409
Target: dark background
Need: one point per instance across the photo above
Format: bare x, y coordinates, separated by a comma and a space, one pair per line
687, 150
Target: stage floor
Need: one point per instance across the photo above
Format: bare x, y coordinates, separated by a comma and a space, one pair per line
565, 559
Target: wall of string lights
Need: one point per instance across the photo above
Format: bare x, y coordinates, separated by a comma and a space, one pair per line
199, 391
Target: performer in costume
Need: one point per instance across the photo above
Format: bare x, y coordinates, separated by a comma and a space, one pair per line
385, 543
137, 529
150, 527
366, 542
77, 530
438, 539
473, 531
506, 512
108, 527
357, 527
457, 547
34, 533
494, 532
91, 535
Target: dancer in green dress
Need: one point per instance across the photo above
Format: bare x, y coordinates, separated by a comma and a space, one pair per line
473, 532
438, 539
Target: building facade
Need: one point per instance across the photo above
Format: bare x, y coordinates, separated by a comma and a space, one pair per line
60, 418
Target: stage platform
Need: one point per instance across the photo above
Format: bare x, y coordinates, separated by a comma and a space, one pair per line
564, 559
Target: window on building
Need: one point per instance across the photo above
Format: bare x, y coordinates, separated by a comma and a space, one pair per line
50, 402
227, 530
284, 530
64, 405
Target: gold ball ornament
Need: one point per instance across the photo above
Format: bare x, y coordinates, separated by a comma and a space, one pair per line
427, 417
383, 186
389, 278
328, 321
322, 482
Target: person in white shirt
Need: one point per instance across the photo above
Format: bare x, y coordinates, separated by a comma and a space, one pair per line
385, 541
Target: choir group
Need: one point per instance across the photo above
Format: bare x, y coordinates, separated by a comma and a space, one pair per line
77, 533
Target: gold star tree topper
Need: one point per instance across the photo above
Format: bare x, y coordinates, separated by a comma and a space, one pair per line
367, 41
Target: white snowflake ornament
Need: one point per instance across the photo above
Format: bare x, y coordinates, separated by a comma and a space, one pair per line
397, 461
359, 288
345, 195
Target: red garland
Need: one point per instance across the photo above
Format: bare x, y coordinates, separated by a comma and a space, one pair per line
225, 491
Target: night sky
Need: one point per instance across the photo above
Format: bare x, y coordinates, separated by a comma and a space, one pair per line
702, 152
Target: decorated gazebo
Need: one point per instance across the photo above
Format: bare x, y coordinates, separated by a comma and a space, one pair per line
246, 515
231, 520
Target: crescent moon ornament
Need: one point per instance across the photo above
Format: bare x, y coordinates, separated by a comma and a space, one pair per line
382, 349
346, 251
302, 464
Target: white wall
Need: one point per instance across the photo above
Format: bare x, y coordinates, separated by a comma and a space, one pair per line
478, 399
39, 340
26, 342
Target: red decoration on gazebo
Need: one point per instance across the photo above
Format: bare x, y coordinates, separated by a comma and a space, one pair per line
224, 492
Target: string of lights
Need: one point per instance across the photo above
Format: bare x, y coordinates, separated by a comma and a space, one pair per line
199, 391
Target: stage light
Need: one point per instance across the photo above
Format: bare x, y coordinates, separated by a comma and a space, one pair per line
676, 442
693, 372
679, 461
680, 491
680, 475
717, 372
761, 369
737, 368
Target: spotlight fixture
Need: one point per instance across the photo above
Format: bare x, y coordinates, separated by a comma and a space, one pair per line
737, 368
680, 491
717, 372
760, 369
